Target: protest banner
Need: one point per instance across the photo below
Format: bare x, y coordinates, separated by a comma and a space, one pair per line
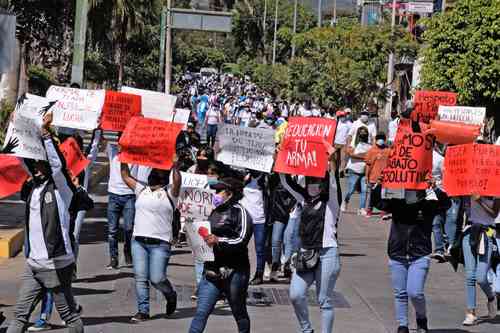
427, 103
251, 148
149, 142
25, 127
302, 149
181, 116
195, 198
194, 180
462, 114
194, 232
76, 108
76, 162
118, 109
410, 162
154, 104
12, 175
454, 133
472, 169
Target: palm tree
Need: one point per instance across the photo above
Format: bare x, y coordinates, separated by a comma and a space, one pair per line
117, 20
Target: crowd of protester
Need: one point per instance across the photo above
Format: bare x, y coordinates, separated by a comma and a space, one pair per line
293, 219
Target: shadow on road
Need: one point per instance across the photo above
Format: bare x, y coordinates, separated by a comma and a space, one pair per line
87, 291
106, 277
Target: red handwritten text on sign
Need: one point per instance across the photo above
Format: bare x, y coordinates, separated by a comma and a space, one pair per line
302, 150
149, 142
427, 104
472, 169
118, 109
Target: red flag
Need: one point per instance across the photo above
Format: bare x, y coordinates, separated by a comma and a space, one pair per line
12, 175
427, 104
118, 109
149, 142
76, 162
303, 151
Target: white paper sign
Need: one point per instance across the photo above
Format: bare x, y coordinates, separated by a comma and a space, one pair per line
182, 117
155, 104
195, 199
193, 180
26, 125
200, 248
421, 7
76, 108
462, 114
245, 147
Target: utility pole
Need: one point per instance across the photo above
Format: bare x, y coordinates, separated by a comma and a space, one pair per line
443, 6
320, 17
334, 17
163, 24
82, 9
264, 27
168, 52
390, 68
294, 27
275, 31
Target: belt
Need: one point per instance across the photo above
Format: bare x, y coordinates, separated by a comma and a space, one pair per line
148, 240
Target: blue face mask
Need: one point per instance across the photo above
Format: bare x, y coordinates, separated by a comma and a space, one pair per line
212, 180
380, 142
217, 200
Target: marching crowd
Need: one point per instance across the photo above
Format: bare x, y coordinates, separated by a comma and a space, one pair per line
293, 219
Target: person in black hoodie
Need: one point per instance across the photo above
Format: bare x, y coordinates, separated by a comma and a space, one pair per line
231, 230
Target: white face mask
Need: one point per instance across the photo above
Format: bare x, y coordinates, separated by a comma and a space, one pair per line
314, 190
380, 142
364, 118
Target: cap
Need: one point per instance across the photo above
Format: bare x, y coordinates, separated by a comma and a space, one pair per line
228, 183
341, 113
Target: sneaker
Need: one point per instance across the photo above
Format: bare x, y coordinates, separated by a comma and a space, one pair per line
403, 329
492, 308
258, 279
470, 320
386, 216
422, 325
39, 326
113, 264
343, 206
439, 257
273, 278
171, 304
362, 212
139, 317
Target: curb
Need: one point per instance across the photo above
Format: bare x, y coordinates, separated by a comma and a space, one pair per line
11, 242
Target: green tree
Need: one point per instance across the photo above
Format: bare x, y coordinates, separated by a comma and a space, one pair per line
462, 53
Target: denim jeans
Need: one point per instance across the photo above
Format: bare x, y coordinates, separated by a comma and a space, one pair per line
199, 266
259, 233
496, 282
211, 134
476, 271
34, 285
150, 265
325, 275
235, 288
448, 220
352, 180
46, 307
286, 237
277, 241
408, 281
119, 205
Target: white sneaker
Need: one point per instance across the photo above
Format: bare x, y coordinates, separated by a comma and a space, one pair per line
343, 206
492, 309
362, 212
470, 320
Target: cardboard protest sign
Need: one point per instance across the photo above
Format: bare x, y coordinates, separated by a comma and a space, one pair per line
118, 109
25, 127
195, 198
472, 169
76, 162
245, 147
12, 175
302, 149
154, 104
427, 103
194, 232
76, 108
462, 114
149, 142
454, 133
410, 163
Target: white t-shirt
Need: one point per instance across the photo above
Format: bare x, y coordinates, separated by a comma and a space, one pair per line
355, 164
393, 129
372, 130
153, 213
116, 185
253, 201
212, 116
343, 129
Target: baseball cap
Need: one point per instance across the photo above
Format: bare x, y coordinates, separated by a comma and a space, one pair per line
228, 183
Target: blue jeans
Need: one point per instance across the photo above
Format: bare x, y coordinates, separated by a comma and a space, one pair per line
497, 273
285, 236
292, 239
235, 288
119, 205
408, 281
352, 180
449, 221
47, 307
211, 133
325, 276
259, 233
476, 271
198, 270
150, 265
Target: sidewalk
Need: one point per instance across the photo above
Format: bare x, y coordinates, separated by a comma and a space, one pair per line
363, 294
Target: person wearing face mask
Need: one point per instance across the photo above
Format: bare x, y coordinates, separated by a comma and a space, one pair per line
318, 259
344, 125
229, 273
253, 201
355, 170
152, 236
203, 158
376, 160
363, 121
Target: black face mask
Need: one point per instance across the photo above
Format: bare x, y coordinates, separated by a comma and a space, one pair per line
155, 179
363, 137
39, 180
202, 164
